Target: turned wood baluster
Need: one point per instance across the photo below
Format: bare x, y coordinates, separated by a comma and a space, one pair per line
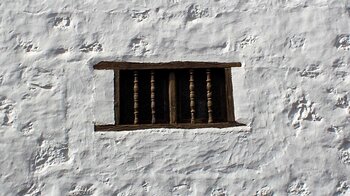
209, 97
192, 96
153, 102
136, 98
172, 97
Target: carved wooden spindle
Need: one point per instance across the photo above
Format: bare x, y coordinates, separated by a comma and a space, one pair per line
136, 98
192, 96
209, 97
153, 101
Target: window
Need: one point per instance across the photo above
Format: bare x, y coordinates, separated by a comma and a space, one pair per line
171, 95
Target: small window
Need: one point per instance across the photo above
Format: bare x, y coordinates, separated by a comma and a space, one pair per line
171, 95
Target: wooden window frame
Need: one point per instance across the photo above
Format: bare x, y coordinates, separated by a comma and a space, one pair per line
118, 66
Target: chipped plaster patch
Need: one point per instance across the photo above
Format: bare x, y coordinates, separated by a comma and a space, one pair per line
298, 188
343, 42
140, 46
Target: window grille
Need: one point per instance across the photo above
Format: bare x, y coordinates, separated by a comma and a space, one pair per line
171, 95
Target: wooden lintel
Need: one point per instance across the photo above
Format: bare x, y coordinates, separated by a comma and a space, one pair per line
163, 65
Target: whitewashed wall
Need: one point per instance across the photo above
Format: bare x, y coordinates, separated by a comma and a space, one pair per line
292, 92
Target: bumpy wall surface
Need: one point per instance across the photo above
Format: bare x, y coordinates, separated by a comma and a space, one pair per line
292, 92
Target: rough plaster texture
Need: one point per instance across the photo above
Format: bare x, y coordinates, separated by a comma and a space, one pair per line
292, 92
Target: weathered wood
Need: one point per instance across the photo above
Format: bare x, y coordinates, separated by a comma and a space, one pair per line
136, 98
229, 96
192, 96
163, 65
153, 102
172, 98
209, 97
116, 97
153, 126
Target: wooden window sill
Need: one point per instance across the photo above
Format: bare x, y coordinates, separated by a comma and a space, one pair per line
155, 126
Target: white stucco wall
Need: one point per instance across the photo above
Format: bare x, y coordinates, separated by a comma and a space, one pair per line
292, 92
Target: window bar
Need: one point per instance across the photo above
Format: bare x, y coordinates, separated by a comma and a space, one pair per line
209, 99
192, 96
229, 96
153, 103
136, 98
172, 98
116, 97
